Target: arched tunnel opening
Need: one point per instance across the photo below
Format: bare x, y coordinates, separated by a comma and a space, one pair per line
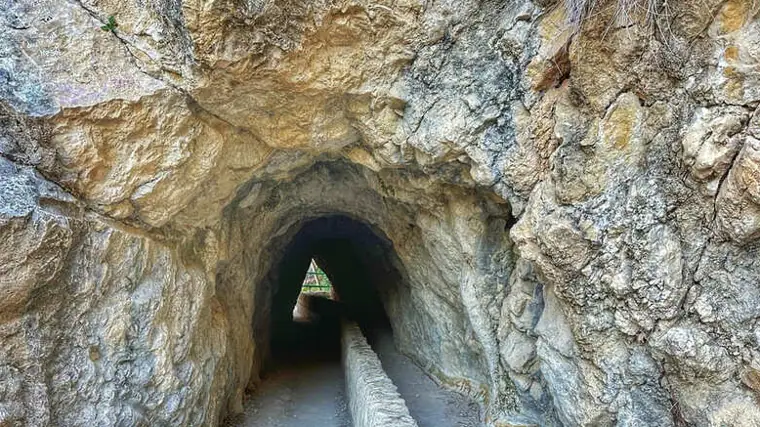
407, 276
301, 377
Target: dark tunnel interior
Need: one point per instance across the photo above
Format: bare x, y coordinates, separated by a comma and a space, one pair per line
300, 378
363, 270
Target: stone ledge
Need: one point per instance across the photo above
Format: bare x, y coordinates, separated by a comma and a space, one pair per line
372, 397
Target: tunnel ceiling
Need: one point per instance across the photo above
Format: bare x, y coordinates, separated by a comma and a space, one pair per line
570, 204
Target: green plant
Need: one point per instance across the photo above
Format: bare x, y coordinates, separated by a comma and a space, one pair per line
316, 280
110, 25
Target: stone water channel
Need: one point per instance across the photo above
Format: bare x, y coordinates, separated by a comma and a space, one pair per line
330, 373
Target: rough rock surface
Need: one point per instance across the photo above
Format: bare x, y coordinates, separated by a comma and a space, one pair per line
575, 212
373, 399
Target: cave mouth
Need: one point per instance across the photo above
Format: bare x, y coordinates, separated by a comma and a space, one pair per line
362, 270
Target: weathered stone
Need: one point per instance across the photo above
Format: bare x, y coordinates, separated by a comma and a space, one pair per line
711, 143
573, 214
738, 203
79, 66
519, 351
372, 397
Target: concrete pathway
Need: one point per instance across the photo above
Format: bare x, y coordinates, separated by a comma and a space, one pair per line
306, 388
428, 403
306, 394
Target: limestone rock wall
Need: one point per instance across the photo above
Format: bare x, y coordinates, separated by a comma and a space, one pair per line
101, 325
575, 210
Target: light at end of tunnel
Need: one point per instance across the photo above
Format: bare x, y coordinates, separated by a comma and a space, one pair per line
315, 283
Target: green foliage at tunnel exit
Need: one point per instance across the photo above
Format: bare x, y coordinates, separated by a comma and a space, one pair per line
316, 280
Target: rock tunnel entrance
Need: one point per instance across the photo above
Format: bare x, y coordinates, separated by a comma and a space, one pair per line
301, 377
357, 263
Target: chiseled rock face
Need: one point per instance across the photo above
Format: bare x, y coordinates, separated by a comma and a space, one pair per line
575, 211
99, 325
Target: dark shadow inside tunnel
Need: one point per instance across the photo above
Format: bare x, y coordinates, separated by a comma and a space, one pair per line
363, 270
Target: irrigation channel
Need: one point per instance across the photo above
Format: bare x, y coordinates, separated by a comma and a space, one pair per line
305, 383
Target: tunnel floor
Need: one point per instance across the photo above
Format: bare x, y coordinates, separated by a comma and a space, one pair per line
305, 385
429, 404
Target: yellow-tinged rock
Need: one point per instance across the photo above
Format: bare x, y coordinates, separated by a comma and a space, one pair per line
551, 63
621, 123
732, 16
